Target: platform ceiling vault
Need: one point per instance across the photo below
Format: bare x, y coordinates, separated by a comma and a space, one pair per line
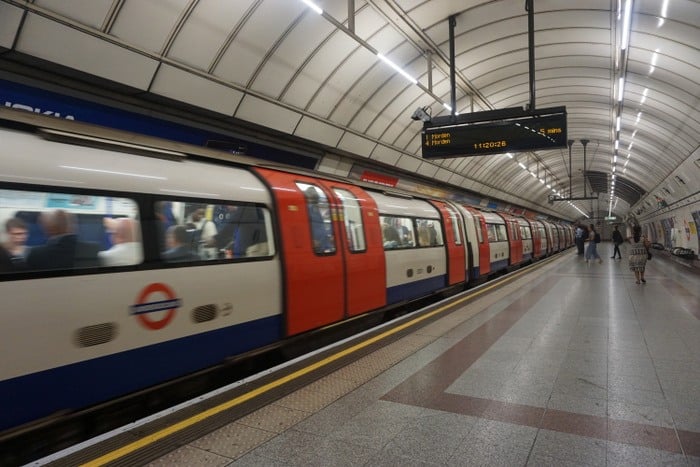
280, 64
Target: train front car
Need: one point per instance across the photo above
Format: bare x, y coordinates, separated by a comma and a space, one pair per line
136, 270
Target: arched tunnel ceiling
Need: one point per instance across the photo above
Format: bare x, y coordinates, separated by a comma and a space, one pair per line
279, 64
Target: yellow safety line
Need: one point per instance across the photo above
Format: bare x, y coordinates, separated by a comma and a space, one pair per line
165, 432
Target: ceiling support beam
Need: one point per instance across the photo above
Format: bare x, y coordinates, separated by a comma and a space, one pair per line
531, 49
351, 16
453, 90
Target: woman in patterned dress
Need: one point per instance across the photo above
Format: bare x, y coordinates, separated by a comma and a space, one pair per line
638, 253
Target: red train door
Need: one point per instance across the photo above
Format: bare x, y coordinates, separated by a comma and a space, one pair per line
516, 243
456, 258
484, 250
313, 268
360, 242
536, 239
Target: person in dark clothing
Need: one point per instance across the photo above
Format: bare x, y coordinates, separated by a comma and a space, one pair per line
63, 250
5, 261
179, 248
580, 239
227, 229
617, 241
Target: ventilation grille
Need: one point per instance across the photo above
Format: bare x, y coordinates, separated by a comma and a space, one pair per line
204, 313
95, 335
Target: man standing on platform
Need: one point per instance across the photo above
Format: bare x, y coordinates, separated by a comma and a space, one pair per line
580, 239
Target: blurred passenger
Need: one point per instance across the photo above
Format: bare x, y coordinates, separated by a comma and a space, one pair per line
178, 246
617, 241
592, 249
5, 261
390, 235
126, 246
17, 234
423, 234
433, 234
204, 225
225, 238
319, 230
205, 230
638, 253
580, 238
63, 250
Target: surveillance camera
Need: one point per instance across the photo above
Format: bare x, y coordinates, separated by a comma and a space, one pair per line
421, 114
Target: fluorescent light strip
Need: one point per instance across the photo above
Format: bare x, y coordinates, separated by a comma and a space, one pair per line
626, 24
397, 68
620, 89
313, 6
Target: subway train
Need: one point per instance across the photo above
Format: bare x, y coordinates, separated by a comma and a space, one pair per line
125, 265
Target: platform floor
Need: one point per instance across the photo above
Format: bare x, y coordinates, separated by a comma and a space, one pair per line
572, 364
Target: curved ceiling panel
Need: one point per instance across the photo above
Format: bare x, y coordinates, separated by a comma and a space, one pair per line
280, 64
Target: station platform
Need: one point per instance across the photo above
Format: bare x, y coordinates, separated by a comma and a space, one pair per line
567, 363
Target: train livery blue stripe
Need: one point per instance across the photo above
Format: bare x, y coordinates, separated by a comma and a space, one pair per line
499, 265
38, 395
413, 290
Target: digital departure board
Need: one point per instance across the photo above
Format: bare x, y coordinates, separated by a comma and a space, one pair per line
526, 133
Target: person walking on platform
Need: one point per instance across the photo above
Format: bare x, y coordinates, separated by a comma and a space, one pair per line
617, 241
638, 253
593, 241
580, 238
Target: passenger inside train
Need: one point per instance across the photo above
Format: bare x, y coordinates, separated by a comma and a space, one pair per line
179, 248
63, 249
319, 217
17, 234
126, 243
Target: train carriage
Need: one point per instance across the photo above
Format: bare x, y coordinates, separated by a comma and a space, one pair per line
414, 245
224, 259
92, 332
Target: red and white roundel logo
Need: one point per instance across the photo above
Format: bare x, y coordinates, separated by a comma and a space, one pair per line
154, 298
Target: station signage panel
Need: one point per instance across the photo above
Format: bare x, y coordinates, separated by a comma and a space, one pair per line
518, 134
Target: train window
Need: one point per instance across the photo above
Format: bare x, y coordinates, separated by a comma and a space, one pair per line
477, 226
64, 231
319, 212
455, 225
352, 216
397, 232
491, 230
497, 232
525, 232
501, 231
191, 231
428, 234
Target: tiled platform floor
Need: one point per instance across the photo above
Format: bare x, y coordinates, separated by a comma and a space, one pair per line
573, 364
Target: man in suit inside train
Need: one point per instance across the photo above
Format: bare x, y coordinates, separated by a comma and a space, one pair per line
63, 250
179, 248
